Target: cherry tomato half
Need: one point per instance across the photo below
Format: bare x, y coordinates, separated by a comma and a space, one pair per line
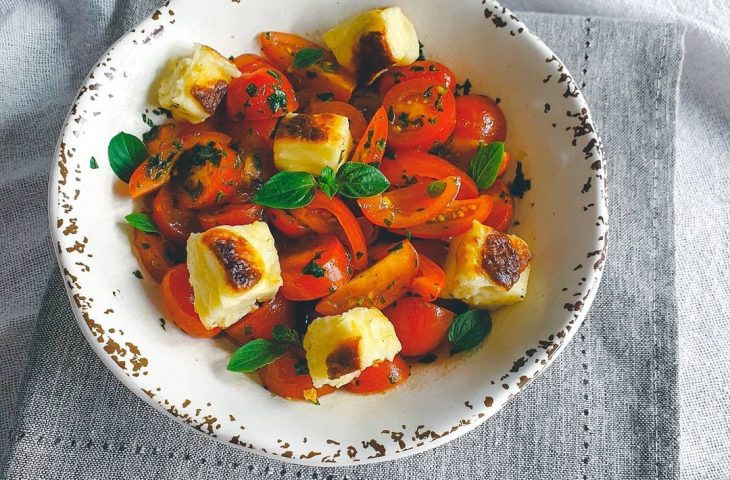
249, 62
430, 278
261, 94
152, 254
206, 173
260, 322
372, 144
500, 217
419, 325
242, 214
453, 220
284, 222
380, 377
288, 376
176, 223
440, 74
177, 295
314, 269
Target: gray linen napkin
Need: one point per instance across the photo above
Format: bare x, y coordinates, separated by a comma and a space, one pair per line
607, 408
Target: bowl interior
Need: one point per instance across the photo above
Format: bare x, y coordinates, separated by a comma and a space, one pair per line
562, 217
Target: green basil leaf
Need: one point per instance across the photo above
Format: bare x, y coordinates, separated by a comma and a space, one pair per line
358, 180
469, 329
436, 188
306, 57
327, 182
255, 354
484, 167
126, 152
287, 190
282, 333
142, 222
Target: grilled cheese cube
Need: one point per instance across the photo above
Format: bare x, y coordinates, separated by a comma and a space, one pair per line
340, 347
308, 143
194, 86
486, 268
232, 269
373, 41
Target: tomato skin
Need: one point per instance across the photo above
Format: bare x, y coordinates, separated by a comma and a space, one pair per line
419, 325
370, 231
152, 254
430, 278
409, 206
505, 164
249, 96
201, 184
371, 148
176, 223
500, 217
378, 286
436, 250
478, 120
177, 296
233, 214
411, 166
249, 62
280, 377
325, 254
355, 116
438, 73
284, 222
260, 322
380, 377
421, 114
453, 220
210, 124
164, 134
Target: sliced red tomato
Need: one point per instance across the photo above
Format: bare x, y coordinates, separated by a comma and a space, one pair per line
177, 295
259, 95
206, 174
421, 114
284, 222
412, 166
210, 124
371, 148
438, 73
289, 377
434, 249
160, 135
248, 62
378, 286
479, 120
331, 215
260, 322
500, 217
419, 325
321, 77
380, 377
314, 268
370, 231
430, 278
355, 116
453, 220
242, 214
154, 172
174, 222
412, 205
505, 163
152, 254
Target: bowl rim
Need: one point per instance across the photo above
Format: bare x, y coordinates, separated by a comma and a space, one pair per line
590, 286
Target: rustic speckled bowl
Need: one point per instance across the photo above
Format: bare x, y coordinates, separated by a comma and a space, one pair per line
563, 218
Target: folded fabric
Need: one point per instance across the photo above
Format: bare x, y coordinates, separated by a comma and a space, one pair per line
607, 408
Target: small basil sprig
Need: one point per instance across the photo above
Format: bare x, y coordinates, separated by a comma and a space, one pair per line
142, 222
469, 329
484, 167
126, 152
306, 57
260, 352
288, 190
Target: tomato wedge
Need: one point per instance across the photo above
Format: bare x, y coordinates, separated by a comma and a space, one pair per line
380, 377
152, 253
355, 116
210, 124
412, 205
378, 286
421, 114
177, 295
454, 220
500, 217
419, 325
260, 322
331, 215
371, 148
436, 250
430, 278
261, 94
174, 222
314, 269
439, 73
249, 62
412, 166
288, 377
284, 222
242, 214
160, 135
322, 77
206, 174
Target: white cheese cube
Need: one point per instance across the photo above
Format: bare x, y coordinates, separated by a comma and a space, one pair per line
486, 268
231, 269
371, 42
308, 143
340, 347
193, 86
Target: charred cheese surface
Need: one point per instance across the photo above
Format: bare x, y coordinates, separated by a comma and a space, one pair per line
486, 268
373, 41
231, 269
339, 347
194, 86
308, 143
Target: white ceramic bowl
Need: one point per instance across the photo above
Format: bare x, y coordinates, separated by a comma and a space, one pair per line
563, 218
